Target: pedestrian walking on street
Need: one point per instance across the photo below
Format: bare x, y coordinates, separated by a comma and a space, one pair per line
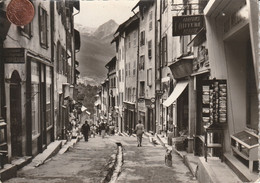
93, 130
139, 133
85, 130
102, 129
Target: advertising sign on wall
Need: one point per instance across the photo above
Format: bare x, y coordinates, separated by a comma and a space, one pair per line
187, 25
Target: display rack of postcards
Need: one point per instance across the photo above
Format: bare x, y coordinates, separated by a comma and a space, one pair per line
214, 102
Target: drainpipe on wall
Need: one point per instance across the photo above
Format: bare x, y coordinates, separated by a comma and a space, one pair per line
2, 88
160, 68
155, 68
53, 134
137, 71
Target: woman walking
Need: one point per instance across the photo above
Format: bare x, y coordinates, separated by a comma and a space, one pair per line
139, 133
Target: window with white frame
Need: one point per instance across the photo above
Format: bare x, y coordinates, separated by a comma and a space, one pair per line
43, 27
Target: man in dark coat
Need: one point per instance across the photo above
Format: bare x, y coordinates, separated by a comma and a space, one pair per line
85, 130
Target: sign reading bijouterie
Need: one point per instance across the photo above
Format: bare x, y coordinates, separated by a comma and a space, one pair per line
187, 25
14, 55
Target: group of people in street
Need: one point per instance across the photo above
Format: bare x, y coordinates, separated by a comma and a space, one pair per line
102, 129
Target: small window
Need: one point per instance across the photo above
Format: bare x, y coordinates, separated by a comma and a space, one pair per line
126, 70
114, 82
135, 38
129, 94
142, 88
164, 51
65, 62
43, 27
149, 77
141, 63
134, 95
150, 49
142, 41
150, 21
129, 68
26, 30
134, 68
129, 41
119, 75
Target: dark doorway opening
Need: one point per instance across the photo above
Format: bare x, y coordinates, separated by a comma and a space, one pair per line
15, 115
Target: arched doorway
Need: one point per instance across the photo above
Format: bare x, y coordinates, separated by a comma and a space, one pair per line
15, 114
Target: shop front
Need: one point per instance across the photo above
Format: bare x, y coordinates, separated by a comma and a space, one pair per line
179, 101
40, 104
29, 103
232, 58
150, 108
129, 112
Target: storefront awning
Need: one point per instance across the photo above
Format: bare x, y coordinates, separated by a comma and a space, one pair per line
83, 108
179, 88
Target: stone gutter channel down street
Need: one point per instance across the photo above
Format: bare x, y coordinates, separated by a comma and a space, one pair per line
114, 165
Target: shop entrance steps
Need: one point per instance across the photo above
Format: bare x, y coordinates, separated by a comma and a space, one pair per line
215, 171
240, 169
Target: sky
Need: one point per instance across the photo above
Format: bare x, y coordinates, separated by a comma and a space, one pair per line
94, 13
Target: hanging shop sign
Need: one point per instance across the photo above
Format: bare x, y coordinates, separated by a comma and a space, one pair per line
187, 25
14, 55
214, 101
159, 92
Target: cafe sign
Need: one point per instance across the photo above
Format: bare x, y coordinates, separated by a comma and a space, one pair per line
187, 25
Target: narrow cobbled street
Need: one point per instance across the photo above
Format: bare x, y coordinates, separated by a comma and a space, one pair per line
91, 162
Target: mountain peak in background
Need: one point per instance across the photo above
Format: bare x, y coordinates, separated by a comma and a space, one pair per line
96, 50
84, 29
106, 29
